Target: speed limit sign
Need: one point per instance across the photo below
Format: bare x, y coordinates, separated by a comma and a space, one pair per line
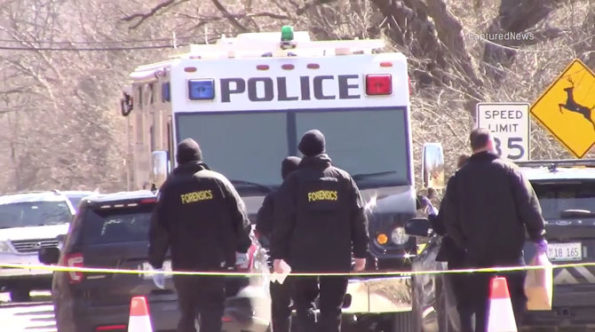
509, 124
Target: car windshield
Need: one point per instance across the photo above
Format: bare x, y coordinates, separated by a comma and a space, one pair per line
34, 214
249, 146
556, 198
117, 224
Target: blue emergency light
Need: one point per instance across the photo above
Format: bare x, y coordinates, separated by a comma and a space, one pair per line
203, 89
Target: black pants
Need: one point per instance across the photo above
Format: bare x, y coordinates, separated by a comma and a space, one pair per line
473, 298
203, 297
331, 290
281, 306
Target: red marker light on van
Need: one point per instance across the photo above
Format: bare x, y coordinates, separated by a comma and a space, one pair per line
110, 328
379, 84
287, 66
262, 67
148, 200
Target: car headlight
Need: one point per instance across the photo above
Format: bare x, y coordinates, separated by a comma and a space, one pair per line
5, 247
398, 236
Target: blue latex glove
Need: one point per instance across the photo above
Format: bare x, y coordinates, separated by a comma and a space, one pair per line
541, 247
159, 278
426, 204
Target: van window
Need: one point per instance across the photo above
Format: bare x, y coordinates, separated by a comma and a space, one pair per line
261, 139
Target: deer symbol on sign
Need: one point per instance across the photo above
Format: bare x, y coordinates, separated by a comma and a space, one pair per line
573, 106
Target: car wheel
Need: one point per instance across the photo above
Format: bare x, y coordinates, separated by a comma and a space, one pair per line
20, 295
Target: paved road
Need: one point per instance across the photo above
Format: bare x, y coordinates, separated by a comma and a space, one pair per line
34, 316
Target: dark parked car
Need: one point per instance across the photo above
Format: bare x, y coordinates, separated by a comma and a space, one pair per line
566, 193
111, 231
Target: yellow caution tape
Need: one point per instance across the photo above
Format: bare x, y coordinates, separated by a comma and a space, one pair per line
497, 269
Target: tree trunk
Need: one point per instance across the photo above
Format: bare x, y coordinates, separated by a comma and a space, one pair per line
432, 33
510, 28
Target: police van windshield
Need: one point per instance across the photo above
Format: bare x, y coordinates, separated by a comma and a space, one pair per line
249, 146
27, 214
557, 199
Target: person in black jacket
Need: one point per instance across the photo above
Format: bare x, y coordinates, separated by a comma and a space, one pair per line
321, 223
280, 293
488, 208
449, 252
201, 218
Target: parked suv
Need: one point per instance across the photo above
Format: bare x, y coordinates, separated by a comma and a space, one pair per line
566, 192
111, 231
29, 222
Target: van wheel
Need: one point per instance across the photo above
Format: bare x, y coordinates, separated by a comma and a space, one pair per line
20, 295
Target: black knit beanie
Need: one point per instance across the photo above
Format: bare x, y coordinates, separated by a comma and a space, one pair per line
188, 150
289, 165
312, 143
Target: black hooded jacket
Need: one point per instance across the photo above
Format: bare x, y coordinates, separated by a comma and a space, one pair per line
320, 219
201, 218
488, 208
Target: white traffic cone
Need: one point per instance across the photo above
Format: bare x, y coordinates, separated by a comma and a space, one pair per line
139, 315
500, 314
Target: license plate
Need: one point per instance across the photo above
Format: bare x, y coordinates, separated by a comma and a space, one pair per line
571, 251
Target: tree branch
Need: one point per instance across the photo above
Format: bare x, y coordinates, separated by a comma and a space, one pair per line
450, 32
151, 13
204, 19
229, 16
311, 4
271, 15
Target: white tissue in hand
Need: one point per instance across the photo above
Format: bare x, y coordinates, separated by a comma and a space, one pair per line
285, 271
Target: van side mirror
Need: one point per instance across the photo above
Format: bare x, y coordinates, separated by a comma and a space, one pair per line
158, 168
432, 166
49, 255
418, 227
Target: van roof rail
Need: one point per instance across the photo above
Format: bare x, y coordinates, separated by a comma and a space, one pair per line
553, 163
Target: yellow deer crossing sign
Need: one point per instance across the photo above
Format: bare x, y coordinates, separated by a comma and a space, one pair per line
567, 108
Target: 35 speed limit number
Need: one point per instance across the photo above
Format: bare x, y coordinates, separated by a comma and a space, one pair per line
509, 124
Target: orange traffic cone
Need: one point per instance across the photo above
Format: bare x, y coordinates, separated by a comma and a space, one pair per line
139, 315
500, 314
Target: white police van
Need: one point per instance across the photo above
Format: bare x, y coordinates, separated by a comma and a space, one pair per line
247, 101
